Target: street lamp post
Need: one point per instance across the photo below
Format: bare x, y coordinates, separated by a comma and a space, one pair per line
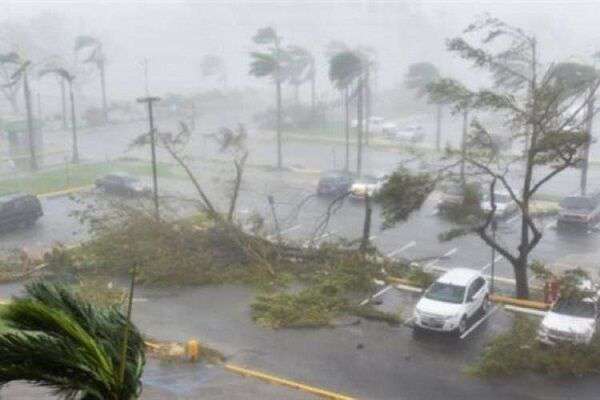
150, 100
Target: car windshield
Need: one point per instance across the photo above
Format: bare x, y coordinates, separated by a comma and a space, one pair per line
576, 203
575, 308
446, 292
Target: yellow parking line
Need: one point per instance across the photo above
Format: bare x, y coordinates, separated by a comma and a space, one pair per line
325, 394
65, 191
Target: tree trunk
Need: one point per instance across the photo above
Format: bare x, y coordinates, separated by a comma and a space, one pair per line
359, 127
347, 128
313, 99
30, 129
63, 102
438, 127
522, 286
367, 107
73, 125
279, 111
103, 84
364, 243
586, 147
463, 146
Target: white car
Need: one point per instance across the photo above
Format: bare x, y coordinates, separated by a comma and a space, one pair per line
448, 304
413, 133
570, 320
366, 185
505, 205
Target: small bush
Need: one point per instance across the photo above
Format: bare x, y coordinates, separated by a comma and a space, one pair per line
371, 313
518, 351
420, 278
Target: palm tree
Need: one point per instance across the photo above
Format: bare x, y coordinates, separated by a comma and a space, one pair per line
21, 75
66, 76
345, 67
273, 63
419, 77
96, 57
302, 70
57, 340
213, 65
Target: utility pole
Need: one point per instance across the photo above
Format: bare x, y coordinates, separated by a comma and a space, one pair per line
586, 148
30, 128
364, 243
359, 126
493, 262
150, 101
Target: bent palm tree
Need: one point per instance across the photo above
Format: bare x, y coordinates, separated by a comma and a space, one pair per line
273, 63
95, 57
62, 342
65, 76
344, 68
21, 74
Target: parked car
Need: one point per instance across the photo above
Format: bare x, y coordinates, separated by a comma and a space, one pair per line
412, 133
122, 184
366, 185
449, 303
334, 183
19, 209
570, 320
505, 205
582, 211
453, 194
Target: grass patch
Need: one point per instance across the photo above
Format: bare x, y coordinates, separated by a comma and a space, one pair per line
518, 351
72, 175
3, 326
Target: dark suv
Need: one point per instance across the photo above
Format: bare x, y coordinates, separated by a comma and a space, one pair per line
581, 211
19, 209
122, 184
334, 183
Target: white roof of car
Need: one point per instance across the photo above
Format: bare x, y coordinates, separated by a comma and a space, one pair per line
459, 276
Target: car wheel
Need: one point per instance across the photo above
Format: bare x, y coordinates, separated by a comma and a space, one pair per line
462, 325
486, 305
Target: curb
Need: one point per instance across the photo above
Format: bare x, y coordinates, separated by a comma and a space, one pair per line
325, 394
64, 192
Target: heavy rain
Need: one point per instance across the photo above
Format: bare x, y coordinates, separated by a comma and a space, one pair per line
299, 199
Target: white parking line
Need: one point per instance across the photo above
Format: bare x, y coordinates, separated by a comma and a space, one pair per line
431, 264
293, 228
436, 212
550, 225
512, 219
486, 266
476, 324
382, 291
318, 239
401, 249
372, 237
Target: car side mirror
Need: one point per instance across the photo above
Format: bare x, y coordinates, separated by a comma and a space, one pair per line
469, 299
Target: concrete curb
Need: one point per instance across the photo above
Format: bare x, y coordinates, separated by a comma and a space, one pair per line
325, 394
64, 192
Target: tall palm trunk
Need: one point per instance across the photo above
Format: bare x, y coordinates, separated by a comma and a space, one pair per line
73, 125
30, 129
347, 128
359, 126
438, 127
279, 156
364, 243
103, 84
367, 106
63, 102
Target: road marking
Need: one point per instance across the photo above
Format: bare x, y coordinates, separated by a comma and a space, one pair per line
431, 264
318, 239
382, 291
436, 212
512, 219
486, 266
401, 249
476, 324
292, 228
373, 237
550, 225
322, 393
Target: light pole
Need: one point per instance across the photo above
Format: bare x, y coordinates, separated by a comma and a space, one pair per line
493, 263
150, 101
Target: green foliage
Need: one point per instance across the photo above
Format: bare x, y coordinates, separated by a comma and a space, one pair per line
344, 68
403, 193
60, 341
371, 313
420, 278
420, 76
517, 352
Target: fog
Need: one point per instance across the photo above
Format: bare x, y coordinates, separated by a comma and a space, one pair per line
174, 35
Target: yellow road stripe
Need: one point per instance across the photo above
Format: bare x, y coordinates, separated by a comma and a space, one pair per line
65, 191
284, 382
